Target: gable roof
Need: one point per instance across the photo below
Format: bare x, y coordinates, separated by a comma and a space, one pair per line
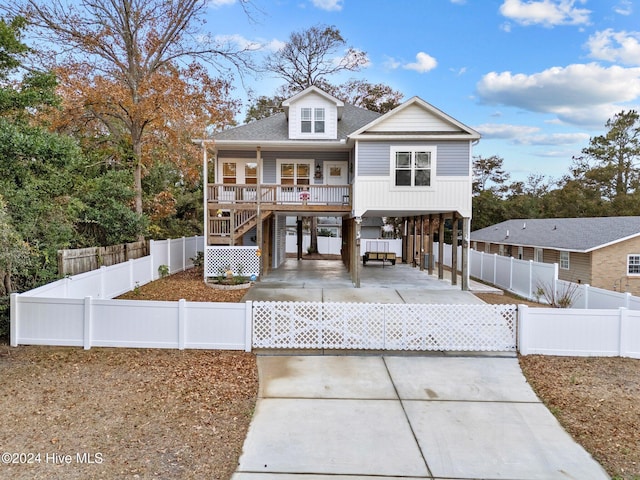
275, 127
434, 123
313, 89
570, 234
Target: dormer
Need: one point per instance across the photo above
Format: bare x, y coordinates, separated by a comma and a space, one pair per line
313, 115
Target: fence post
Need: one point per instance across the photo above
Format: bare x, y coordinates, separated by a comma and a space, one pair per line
182, 325
586, 289
495, 267
14, 319
530, 296
168, 255
152, 252
131, 285
627, 299
248, 325
482, 265
103, 271
86, 338
622, 323
521, 340
184, 254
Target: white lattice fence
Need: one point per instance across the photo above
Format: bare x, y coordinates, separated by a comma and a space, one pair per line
366, 326
241, 261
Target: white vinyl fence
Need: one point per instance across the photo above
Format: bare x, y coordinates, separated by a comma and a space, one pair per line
78, 310
525, 277
124, 323
577, 332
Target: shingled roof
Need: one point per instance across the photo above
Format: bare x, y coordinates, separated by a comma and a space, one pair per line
275, 127
572, 234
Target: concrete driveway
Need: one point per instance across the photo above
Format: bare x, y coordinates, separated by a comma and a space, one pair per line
427, 417
329, 281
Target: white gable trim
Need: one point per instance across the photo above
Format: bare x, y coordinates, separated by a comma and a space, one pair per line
467, 132
313, 89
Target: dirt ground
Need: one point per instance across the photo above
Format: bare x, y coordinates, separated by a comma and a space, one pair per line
138, 413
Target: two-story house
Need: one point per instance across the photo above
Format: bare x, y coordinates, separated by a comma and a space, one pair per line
322, 157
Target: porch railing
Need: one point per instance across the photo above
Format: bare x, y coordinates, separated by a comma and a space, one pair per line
221, 225
280, 194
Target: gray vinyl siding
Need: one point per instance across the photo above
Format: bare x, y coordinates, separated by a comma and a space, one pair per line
269, 159
373, 159
452, 159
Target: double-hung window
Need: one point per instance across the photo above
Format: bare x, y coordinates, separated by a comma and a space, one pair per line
633, 264
564, 260
412, 167
312, 120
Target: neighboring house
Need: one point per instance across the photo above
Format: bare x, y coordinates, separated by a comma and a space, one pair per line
327, 158
603, 252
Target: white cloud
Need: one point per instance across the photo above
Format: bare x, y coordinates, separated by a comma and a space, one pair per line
545, 12
613, 46
252, 45
329, 5
553, 139
458, 2
220, 3
528, 135
505, 130
624, 7
583, 94
424, 63
391, 63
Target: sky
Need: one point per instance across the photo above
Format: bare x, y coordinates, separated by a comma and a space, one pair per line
537, 78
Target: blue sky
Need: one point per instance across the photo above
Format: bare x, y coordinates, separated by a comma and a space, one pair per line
537, 78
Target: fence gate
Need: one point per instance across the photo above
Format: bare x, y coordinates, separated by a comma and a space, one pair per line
372, 326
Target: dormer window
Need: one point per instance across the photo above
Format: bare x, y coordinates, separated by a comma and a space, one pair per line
312, 120
318, 124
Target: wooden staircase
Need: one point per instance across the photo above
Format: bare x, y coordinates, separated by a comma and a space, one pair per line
239, 221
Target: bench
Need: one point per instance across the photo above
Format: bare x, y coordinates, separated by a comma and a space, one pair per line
381, 256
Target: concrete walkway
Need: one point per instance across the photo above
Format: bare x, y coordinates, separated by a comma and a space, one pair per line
427, 417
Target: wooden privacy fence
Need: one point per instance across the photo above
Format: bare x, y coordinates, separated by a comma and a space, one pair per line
80, 260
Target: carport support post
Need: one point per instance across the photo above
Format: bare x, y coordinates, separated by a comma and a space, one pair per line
454, 250
299, 236
421, 259
430, 246
465, 253
356, 269
440, 246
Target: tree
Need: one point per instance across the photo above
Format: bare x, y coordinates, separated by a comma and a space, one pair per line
119, 59
488, 174
616, 155
375, 97
310, 56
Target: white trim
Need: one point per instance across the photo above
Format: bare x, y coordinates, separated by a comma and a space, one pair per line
280, 161
568, 260
629, 255
469, 132
394, 149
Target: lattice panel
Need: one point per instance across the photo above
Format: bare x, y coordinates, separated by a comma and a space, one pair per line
451, 327
241, 260
417, 327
